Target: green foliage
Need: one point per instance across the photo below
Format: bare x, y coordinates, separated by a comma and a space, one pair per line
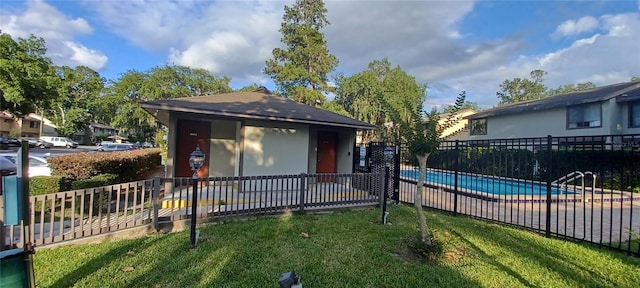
467, 105
381, 94
79, 89
128, 165
40, 185
635, 79
95, 181
571, 88
27, 76
300, 69
121, 101
518, 89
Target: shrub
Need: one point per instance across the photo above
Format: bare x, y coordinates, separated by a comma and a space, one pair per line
95, 181
128, 165
40, 185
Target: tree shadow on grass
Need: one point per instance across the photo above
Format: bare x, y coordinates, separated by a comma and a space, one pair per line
573, 271
492, 260
95, 264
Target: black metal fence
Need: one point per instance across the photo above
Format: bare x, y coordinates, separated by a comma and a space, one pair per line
583, 188
77, 214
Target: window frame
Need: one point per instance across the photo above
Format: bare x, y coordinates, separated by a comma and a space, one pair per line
631, 104
583, 106
481, 122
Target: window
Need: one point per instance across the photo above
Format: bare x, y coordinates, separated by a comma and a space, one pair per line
478, 126
34, 124
584, 116
634, 114
7, 120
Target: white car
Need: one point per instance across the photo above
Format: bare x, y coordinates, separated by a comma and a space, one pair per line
38, 166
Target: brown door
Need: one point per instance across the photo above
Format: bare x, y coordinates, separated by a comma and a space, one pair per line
326, 155
190, 134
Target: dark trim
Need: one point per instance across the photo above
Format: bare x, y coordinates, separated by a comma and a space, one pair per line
582, 105
630, 114
486, 126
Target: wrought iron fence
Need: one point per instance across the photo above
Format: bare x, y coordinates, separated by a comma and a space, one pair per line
70, 215
584, 188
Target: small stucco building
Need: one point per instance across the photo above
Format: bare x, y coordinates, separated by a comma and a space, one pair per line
253, 134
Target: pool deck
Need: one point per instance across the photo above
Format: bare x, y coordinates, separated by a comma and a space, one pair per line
603, 218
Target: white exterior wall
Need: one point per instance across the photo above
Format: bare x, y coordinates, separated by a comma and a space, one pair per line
346, 143
224, 148
542, 123
275, 149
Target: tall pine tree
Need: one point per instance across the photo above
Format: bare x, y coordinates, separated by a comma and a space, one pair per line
300, 69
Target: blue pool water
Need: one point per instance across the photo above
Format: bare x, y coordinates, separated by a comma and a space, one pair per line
487, 184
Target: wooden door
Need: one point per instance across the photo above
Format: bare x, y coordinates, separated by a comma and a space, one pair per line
190, 134
326, 158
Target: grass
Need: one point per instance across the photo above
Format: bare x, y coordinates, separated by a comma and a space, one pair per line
343, 249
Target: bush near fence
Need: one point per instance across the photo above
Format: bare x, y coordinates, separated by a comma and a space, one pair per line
128, 165
40, 185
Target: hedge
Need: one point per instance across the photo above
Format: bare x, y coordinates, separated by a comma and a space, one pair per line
95, 181
40, 185
128, 165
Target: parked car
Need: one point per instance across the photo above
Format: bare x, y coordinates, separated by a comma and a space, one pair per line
60, 141
7, 167
38, 166
35, 142
115, 147
9, 141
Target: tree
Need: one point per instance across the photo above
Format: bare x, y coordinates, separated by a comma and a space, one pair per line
518, 89
75, 107
249, 88
571, 88
300, 69
467, 105
369, 95
27, 77
424, 138
635, 79
121, 101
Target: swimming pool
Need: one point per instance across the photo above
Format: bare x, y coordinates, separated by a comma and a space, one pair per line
486, 184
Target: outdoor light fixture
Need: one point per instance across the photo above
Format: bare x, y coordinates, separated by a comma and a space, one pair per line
289, 280
196, 160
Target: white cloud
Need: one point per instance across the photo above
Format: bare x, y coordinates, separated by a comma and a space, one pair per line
605, 58
576, 27
58, 30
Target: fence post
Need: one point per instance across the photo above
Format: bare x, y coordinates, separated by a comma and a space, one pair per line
549, 180
155, 197
396, 174
303, 190
456, 167
384, 197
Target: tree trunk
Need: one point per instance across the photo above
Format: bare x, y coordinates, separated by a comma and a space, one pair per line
422, 220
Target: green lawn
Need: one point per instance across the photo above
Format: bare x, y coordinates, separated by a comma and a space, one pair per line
344, 249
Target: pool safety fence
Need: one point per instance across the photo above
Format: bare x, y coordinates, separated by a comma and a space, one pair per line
582, 188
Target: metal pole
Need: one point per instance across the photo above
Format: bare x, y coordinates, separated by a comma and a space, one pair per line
396, 174
549, 180
385, 194
194, 206
455, 176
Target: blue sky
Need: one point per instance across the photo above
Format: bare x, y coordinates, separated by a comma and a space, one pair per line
449, 45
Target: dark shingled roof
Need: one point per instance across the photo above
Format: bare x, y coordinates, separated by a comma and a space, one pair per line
257, 105
598, 94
